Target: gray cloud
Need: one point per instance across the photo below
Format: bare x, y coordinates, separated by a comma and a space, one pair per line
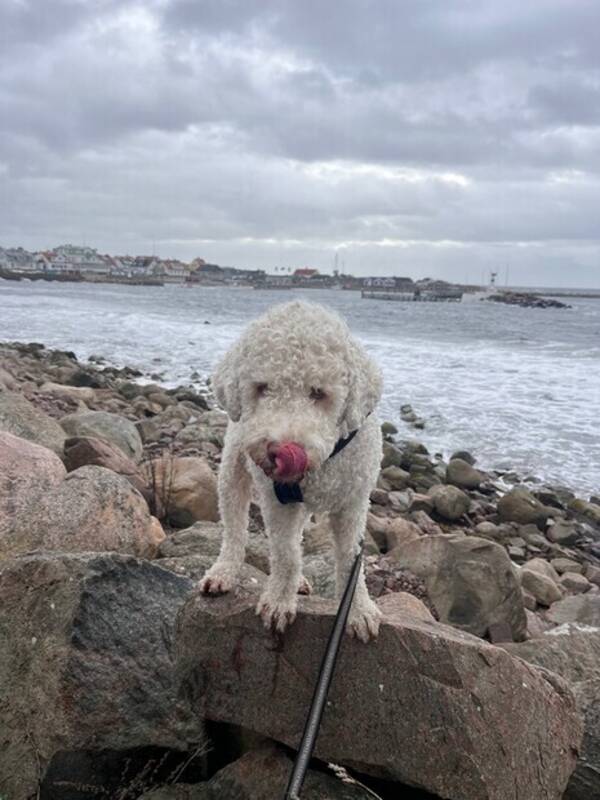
426, 135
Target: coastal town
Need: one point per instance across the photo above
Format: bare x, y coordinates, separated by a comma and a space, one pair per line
69, 262
75, 263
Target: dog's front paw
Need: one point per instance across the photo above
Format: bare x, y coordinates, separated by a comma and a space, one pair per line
218, 580
363, 620
276, 613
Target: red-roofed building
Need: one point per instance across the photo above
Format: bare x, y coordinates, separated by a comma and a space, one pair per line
305, 272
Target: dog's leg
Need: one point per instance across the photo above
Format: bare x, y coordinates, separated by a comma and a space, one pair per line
348, 528
278, 603
234, 488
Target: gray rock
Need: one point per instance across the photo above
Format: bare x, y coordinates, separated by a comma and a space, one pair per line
464, 455
519, 505
91, 510
392, 456
396, 477
95, 633
544, 589
581, 608
563, 533
450, 502
460, 473
470, 581
196, 433
479, 707
574, 654
112, 428
592, 573
19, 417
566, 565
490, 531
84, 451
203, 539
27, 471
543, 568
575, 583
319, 570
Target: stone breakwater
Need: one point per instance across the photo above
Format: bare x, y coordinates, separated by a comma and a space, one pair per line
115, 675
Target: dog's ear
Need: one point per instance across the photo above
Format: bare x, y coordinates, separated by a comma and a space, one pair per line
226, 383
365, 388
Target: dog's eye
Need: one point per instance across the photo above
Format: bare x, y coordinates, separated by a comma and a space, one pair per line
261, 388
317, 394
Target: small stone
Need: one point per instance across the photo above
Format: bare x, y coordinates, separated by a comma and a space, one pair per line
399, 500
544, 589
563, 533
543, 568
396, 477
567, 565
425, 523
575, 583
379, 497
460, 473
450, 502
529, 600
464, 455
421, 502
388, 429
489, 530
592, 573
392, 456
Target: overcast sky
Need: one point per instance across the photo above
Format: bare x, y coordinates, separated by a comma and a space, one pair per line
418, 138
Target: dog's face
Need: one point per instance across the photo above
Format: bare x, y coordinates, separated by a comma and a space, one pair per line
296, 382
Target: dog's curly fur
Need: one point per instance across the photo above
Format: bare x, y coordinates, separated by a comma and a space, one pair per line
266, 383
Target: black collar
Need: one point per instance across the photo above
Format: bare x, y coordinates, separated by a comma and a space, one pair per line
291, 492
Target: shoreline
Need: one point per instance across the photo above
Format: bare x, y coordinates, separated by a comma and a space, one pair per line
109, 517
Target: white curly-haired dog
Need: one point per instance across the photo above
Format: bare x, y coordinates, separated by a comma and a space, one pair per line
296, 387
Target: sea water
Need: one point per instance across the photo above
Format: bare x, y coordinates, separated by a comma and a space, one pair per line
518, 387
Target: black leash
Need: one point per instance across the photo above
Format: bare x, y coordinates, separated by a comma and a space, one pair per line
313, 720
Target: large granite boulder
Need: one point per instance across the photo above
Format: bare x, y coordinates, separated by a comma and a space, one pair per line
185, 489
21, 418
573, 652
92, 509
471, 582
86, 665
112, 428
27, 471
425, 704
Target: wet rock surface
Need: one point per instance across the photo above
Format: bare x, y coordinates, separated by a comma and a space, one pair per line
86, 662
462, 700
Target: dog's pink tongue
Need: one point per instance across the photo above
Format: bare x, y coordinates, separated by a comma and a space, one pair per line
290, 460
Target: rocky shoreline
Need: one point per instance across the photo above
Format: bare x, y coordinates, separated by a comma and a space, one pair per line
110, 662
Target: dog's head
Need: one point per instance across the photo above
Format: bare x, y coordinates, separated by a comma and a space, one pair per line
296, 381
